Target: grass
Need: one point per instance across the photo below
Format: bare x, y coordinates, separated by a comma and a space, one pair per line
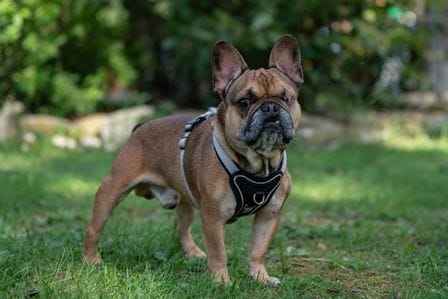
362, 221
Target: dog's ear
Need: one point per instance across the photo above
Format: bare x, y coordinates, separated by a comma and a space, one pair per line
227, 65
285, 56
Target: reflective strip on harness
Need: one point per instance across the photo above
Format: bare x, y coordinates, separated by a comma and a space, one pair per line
182, 145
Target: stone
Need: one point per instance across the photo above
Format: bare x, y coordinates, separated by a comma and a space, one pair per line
89, 125
42, 123
424, 100
91, 142
317, 129
116, 130
9, 120
29, 138
64, 142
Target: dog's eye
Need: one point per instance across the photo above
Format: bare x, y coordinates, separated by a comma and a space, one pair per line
243, 103
285, 98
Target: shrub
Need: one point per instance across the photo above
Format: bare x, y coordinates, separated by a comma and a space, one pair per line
67, 57
59, 56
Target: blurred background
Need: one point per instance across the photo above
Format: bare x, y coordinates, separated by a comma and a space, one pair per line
70, 58
367, 214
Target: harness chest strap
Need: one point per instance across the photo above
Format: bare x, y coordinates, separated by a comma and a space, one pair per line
251, 193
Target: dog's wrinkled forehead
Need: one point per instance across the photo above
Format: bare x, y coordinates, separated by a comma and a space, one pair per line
262, 84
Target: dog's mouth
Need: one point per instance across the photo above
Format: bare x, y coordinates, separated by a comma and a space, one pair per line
265, 130
277, 122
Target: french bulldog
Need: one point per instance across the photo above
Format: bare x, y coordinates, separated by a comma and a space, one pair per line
257, 117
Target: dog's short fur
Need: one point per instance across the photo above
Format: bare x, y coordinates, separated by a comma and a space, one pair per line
257, 117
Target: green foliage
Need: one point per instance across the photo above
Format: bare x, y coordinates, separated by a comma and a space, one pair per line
345, 44
59, 56
67, 56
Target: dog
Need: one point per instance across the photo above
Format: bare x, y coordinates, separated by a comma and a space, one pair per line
226, 164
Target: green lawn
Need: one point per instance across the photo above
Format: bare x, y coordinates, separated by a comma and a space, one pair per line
362, 221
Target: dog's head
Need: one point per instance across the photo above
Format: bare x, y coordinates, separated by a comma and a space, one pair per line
262, 108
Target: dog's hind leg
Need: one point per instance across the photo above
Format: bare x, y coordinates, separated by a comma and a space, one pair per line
107, 198
121, 180
184, 219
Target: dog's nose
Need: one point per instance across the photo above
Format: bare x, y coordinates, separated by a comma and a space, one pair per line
270, 109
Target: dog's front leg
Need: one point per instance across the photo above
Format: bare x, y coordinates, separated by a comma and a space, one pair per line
213, 235
263, 230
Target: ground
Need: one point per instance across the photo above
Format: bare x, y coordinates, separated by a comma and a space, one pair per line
363, 220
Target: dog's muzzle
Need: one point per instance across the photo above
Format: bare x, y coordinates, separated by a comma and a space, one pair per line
270, 124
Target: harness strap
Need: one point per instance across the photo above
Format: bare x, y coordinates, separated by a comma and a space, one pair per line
184, 178
182, 145
228, 163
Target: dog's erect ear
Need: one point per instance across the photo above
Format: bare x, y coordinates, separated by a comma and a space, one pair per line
285, 56
227, 65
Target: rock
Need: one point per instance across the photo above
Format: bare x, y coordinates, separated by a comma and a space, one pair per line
61, 141
92, 131
91, 142
9, 119
367, 135
89, 125
317, 129
119, 125
41, 123
425, 100
29, 138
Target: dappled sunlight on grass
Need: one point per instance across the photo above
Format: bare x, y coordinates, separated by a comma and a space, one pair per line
327, 189
411, 137
372, 173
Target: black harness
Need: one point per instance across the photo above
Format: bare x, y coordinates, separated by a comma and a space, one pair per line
251, 192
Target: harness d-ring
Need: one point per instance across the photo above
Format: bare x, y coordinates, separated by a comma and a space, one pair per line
263, 198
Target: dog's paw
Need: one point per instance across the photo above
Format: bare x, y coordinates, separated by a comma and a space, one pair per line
196, 253
272, 281
93, 260
222, 282
269, 281
259, 273
222, 278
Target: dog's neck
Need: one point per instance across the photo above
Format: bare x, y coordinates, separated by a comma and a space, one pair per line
260, 164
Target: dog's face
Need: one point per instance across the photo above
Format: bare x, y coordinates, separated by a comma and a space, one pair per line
262, 108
